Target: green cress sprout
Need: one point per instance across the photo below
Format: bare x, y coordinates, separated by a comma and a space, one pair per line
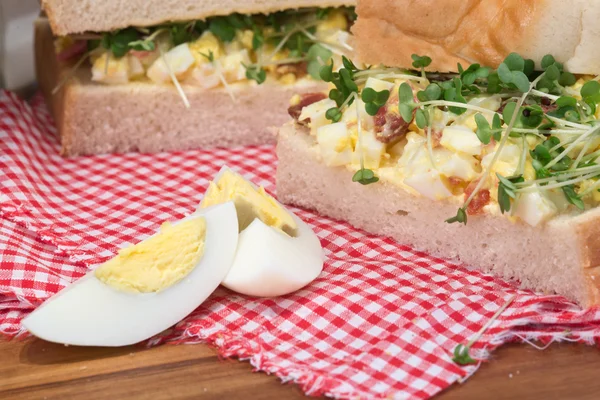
461, 353
344, 94
421, 62
364, 177
535, 103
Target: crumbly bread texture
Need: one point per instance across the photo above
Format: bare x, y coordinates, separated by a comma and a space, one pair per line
560, 257
77, 16
484, 31
94, 118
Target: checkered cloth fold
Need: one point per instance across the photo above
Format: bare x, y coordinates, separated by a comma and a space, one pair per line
381, 321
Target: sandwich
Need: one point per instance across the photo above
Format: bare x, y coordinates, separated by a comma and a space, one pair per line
473, 134
174, 75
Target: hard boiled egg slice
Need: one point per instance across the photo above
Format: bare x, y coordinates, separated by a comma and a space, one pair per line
147, 288
277, 252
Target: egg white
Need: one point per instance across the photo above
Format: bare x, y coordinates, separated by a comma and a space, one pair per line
270, 263
91, 313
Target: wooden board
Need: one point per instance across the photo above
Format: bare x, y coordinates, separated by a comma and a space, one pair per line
34, 369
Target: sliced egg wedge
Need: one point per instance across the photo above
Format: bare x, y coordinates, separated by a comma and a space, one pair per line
277, 252
106, 308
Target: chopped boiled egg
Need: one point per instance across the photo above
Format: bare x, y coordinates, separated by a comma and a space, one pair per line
335, 20
590, 184
492, 103
430, 184
179, 60
461, 139
350, 115
534, 207
204, 46
507, 162
145, 289
206, 76
415, 163
277, 252
369, 149
245, 38
136, 69
109, 69
557, 196
335, 144
233, 65
378, 85
316, 113
459, 165
250, 202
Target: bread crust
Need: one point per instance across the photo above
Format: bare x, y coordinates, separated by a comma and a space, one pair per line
558, 257
388, 32
94, 118
78, 16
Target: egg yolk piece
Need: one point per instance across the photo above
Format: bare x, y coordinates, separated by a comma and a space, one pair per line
250, 203
159, 261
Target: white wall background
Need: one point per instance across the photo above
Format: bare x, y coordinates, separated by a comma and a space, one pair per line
17, 70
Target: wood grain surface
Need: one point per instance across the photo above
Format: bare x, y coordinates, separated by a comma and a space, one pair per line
34, 369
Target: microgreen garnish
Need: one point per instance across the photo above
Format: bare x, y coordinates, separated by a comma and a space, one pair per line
222, 28
421, 62
142, 45
345, 88
507, 191
460, 217
333, 114
462, 355
572, 197
374, 100
317, 56
291, 29
511, 72
484, 131
118, 43
210, 56
255, 73
461, 352
534, 104
364, 176
406, 103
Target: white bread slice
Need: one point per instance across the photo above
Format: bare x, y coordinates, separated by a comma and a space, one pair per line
484, 31
561, 257
77, 16
94, 118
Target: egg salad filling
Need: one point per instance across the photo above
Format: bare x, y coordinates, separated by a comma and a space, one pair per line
515, 141
158, 262
250, 202
218, 52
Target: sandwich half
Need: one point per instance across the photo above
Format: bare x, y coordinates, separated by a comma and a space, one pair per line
494, 166
174, 75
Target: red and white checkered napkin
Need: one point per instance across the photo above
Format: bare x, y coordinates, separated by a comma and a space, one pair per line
381, 321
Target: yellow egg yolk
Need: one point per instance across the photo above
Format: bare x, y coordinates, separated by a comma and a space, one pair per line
159, 261
250, 203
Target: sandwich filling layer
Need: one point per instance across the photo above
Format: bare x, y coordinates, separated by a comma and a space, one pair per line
282, 47
511, 141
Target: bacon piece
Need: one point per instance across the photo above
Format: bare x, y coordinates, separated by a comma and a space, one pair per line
306, 99
140, 54
389, 126
77, 48
299, 69
481, 199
